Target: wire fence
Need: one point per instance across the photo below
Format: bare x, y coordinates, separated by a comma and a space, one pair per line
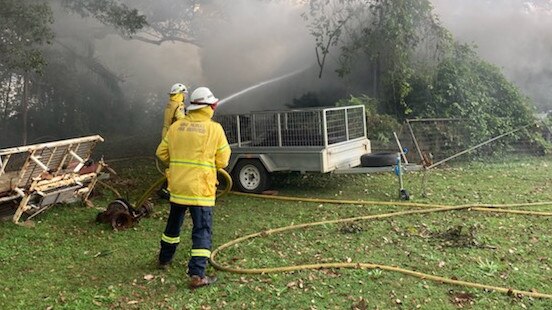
432, 141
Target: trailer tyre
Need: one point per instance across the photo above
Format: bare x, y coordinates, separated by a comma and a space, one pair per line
379, 159
250, 176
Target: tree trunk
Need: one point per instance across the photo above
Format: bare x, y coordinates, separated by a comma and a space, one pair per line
375, 81
6, 105
25, 107
7, 100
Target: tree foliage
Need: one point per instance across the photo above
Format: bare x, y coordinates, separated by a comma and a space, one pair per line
172, 20
327, 21
154, 22
24, 27
468, 88
109, 12
56, 90
386, 38
76, 93
412, 68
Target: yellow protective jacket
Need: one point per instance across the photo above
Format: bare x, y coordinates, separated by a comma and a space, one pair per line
173, 112
195, 147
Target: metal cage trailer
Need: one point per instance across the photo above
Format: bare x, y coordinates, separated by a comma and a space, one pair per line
303, 140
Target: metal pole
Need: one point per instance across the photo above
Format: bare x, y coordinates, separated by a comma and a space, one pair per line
365, 134
29, 148
253, 128
325, 128
39, 163
432, 119
400, 148
279, 130
415, 140
4, 164
238, 130
346, 125
399, 172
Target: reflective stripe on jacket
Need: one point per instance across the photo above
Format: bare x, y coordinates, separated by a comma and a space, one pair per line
195, 147
174, 110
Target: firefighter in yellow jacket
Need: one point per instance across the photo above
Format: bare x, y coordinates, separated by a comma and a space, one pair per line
174, 110
195, 147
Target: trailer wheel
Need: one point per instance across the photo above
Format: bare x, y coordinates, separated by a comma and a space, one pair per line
250, 176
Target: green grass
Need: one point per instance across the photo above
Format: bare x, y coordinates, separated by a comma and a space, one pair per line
67, 261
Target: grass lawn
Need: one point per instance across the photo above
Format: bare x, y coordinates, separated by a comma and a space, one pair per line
67, 261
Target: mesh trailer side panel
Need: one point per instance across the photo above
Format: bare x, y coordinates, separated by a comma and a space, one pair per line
295, 128
302, 128
355, 121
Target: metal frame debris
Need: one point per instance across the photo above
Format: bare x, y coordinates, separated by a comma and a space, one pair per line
35, 177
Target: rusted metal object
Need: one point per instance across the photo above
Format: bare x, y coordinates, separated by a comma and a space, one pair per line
121, 215
37, 177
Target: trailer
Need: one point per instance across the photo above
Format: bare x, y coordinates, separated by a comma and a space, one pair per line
323, 140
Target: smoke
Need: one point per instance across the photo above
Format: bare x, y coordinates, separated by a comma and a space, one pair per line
145, 71
142, 66
250, 41
257, 41
512, 34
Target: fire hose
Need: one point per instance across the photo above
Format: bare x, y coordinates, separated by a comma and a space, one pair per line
161, 180
123, 215
428, 208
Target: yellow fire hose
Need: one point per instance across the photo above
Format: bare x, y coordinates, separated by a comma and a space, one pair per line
424, 276
428, 209
157, 184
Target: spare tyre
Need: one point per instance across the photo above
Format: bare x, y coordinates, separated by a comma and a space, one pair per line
379, 159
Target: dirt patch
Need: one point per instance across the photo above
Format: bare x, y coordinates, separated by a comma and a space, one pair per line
350, 228
461, 299
460, 237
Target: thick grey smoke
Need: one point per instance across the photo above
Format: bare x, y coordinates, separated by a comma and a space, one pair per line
512, 34
145, 69
251, 42
255, 41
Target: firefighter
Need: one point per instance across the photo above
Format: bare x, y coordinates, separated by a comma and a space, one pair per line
194, 147
175, 107
174, 110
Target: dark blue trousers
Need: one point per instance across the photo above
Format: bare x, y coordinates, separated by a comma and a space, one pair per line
202, 220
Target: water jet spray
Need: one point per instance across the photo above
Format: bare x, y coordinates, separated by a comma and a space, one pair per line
241, 92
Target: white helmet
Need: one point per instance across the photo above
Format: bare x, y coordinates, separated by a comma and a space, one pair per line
200, 98
178, 88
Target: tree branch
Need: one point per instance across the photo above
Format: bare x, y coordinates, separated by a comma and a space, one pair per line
325, 50
92, 64
163, 39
